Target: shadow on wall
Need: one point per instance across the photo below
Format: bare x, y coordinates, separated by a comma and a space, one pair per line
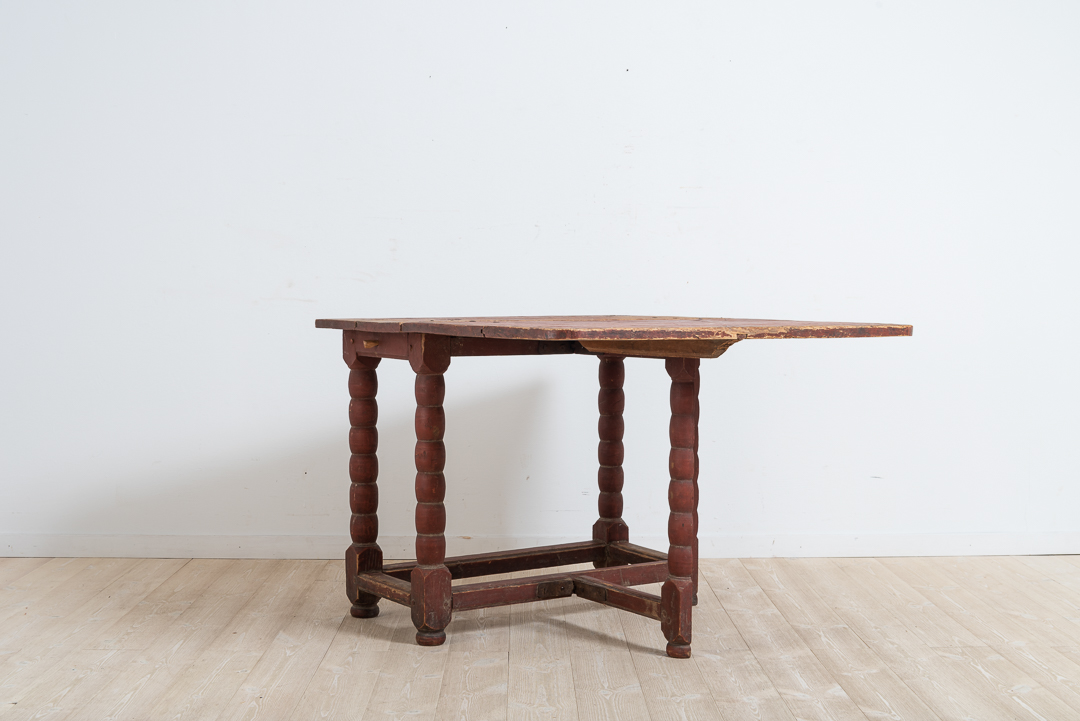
292, 501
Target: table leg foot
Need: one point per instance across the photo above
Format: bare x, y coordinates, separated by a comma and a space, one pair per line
365, 611
431, 638
678, 650
675, 615
432, 601
360, 559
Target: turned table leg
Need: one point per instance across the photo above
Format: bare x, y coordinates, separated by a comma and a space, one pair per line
610, 527
364, 554
697, 493
676, 596
431, 595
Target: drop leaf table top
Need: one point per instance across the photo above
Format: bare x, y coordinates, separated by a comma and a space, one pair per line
616, 327
627, 335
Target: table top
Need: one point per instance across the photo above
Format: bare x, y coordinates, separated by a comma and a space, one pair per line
616, 327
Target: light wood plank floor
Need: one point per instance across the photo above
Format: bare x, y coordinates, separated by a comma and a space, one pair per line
865, 639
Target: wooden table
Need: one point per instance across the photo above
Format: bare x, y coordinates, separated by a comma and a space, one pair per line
429, 344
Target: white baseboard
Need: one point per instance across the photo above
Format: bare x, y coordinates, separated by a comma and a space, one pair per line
715, 546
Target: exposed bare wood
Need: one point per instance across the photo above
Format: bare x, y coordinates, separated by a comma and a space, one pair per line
375, 345
660, 348
616, 327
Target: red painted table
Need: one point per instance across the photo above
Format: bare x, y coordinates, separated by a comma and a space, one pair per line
429, 344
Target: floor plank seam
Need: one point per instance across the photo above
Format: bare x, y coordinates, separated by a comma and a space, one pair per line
867, 646
941, 639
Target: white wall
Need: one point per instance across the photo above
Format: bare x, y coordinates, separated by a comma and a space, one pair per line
186, 187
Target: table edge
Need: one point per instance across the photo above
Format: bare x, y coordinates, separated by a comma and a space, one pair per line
797, 329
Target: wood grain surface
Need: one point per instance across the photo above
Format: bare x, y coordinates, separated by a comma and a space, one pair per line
617, 327
923, 639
